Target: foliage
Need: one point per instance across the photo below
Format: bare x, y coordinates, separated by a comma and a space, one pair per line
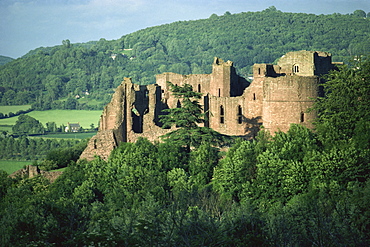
186, 117
280, 190
238, 167
344, 110
27, 125
25, 148
189, 114
62, 157
4, 60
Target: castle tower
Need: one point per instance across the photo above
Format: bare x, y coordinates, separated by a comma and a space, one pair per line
221, 78
289, 94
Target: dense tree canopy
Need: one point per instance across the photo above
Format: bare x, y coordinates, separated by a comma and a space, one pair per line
26, 125
344, 111
4, 60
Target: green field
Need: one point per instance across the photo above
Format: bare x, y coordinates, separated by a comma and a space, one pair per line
13, 108
81, 135
6, 128
11, 166
84, 117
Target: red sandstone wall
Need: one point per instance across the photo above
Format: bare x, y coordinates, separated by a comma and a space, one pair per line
276, 98
287, 100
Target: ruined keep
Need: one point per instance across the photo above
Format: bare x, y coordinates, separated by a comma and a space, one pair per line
278, 96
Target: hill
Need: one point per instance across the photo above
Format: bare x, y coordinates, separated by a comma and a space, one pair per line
59, 77
4, 60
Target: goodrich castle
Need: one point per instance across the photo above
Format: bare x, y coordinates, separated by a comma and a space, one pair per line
278, 96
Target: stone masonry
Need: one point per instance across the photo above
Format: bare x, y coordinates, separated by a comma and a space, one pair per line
278, 96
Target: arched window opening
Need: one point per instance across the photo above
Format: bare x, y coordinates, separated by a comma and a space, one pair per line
302, 117
222, 115
199, 88
295, 68
240, 115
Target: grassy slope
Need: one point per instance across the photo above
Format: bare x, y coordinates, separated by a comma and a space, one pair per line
11, 166
84, 117
67, 135
13, 108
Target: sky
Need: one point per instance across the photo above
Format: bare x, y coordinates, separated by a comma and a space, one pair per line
28, 24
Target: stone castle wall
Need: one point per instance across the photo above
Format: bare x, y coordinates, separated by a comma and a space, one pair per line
32, 171
278, 96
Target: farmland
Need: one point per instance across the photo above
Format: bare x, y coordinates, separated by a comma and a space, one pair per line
13, 108
10, 166
78, 135
60, 117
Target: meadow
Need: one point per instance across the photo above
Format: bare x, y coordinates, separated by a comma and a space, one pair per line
82, 135
84, 117
10, 166
13, 108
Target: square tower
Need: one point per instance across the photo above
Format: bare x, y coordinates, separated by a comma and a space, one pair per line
221, 77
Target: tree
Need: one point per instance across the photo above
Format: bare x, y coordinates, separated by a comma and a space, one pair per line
201, 165
236, 169
63, 156
27, 125
51, 127
190, 114
187, 118
359, 13
66, 43
71, 103
344, 109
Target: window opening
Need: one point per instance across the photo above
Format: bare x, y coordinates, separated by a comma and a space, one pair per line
296, 69
222, 115
302, 117
240, 115
259, 71
219, 92
199, 88
254, 96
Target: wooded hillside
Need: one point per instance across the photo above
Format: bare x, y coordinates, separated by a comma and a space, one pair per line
4, 60
48, 77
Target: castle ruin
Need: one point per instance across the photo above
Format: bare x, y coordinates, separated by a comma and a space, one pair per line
278, 96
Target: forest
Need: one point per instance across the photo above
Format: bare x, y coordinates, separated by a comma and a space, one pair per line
84, 75
299, 188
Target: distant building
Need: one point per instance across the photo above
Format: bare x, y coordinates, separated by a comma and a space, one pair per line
72, 127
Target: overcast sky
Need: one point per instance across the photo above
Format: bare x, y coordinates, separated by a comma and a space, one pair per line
29, 24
